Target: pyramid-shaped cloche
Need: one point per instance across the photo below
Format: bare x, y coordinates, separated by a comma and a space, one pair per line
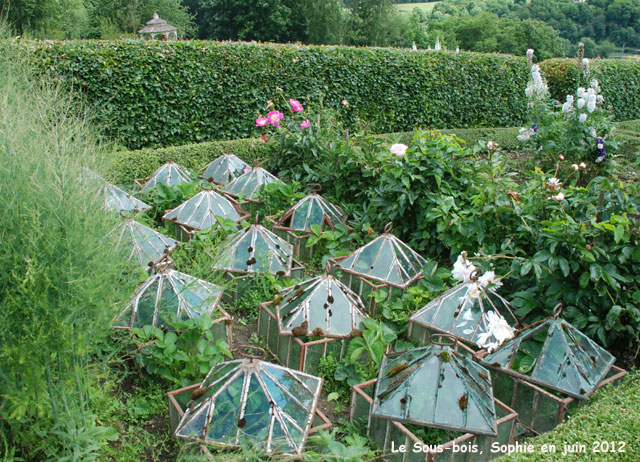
385, 259
312, 210
249, 183
201, 210
169, 174
255, 249
568, 361
266, 405
224, 169
464, 312
436, 386
324, 303
121, 201
144, 245
170, 293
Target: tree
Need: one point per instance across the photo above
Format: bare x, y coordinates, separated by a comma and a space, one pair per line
325, 21
265, 20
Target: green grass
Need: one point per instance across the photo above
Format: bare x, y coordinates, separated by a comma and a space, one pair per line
407, 8
612, 415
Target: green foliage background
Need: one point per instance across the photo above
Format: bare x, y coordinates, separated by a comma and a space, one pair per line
186, 92
619, 79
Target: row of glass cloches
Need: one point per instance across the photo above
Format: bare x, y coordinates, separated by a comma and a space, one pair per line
435, 385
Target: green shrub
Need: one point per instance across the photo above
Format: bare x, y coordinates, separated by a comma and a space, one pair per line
60, 279
618, 78
158, 94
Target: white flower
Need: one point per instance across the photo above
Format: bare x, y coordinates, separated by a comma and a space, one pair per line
567, 107
599, 159
559, 197
530, 52
560, 156
585, 66
600, 146
474, 291
570, 99
575, 167
583, 118
468, 315
398, 149
594, 84
600, 98
554, 184
525, 134
581, 92
491, 145
593, 132
489, 278
437, 46
581, 103
583, 165
463, 269
537, 87
498, 328
591, 105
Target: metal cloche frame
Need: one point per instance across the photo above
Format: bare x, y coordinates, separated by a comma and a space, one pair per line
458, 314
385, 259
147, 245
311, 210
569, 361
324, 303
168, 293
121, 201
250, 399
201, 210
169, 174
249, 183
255, 249
436, 386
224, 169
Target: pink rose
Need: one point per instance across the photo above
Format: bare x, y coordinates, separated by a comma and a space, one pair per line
305, 124
262, 121
295, 105
274, 118
345, 102
398, 149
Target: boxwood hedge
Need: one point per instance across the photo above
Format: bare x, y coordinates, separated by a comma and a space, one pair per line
618, 78
169, 93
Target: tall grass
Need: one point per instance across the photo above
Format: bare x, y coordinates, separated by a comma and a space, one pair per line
59, 276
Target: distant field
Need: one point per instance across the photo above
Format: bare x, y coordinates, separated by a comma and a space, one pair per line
407, 8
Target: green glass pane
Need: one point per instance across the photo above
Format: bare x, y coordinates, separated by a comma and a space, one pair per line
167, 305
278, 438
146, 306
292, 384
226, 414
256, 412
367, 258
316, 215
194, 426
284, 401
299, 217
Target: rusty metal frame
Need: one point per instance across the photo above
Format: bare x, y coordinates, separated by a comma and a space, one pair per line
176, 413
184, 232
264, 309
357, 391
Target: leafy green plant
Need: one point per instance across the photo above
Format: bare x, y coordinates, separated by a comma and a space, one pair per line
354, 448
365, 353
180, 357
165, 197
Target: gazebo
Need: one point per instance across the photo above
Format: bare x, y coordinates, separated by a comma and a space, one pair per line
158, 26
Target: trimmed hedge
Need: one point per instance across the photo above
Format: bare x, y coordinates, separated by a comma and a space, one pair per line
618, 78
169, 93
611, 416
129, 165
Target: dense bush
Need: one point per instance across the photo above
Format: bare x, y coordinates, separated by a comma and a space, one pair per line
619, 79
186, 92
60, 278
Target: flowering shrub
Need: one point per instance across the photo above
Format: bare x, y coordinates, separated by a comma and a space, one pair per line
579, 129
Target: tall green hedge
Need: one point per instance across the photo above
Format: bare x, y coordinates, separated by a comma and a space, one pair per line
618, 78
169, 93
